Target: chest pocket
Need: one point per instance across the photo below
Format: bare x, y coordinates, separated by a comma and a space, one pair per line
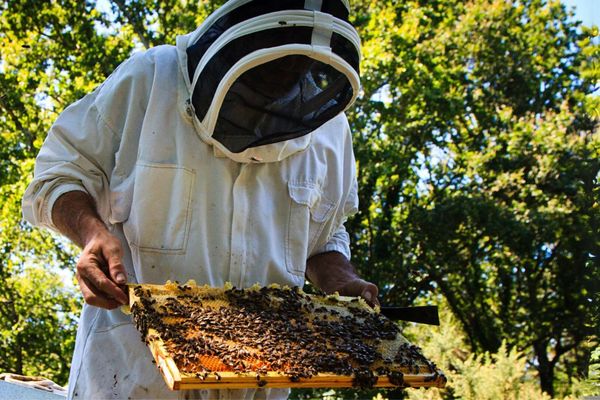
160, 213
309, 213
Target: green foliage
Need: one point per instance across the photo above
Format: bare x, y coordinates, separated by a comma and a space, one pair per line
37, 324
501, 375
589, 386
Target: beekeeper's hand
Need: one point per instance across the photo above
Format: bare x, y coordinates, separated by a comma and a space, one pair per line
332, 272
100, 271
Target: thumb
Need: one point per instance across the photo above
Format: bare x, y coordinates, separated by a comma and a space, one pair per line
369, 293
113, 255
362, 288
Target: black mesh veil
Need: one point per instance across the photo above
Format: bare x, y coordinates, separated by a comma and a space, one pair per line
257, 111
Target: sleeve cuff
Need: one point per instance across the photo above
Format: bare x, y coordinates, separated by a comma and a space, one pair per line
339, 242
54, 195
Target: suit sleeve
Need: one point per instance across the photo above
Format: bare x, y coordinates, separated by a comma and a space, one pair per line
78, 154
340, 240
81, 147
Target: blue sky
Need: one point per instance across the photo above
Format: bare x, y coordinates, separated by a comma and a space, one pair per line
587, 11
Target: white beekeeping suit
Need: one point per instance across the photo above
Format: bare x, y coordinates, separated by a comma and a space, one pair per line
224, 158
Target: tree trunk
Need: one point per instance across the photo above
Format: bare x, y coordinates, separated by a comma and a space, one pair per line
19, 356
13, 317
545, 368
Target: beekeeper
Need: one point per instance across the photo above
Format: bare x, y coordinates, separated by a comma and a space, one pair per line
227, 157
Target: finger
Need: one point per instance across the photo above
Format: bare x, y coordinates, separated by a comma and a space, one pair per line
99, 291
113, 255
93, 297
101, 284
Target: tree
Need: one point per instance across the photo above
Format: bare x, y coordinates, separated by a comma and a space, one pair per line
37, 324
478, 163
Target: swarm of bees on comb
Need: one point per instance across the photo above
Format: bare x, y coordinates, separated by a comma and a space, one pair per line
206, 337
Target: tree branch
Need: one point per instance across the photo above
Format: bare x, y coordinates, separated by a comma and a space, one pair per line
136, 22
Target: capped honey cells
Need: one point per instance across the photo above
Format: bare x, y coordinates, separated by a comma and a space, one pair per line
273, 336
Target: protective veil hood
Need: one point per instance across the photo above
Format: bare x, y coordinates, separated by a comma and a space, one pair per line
264, 74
